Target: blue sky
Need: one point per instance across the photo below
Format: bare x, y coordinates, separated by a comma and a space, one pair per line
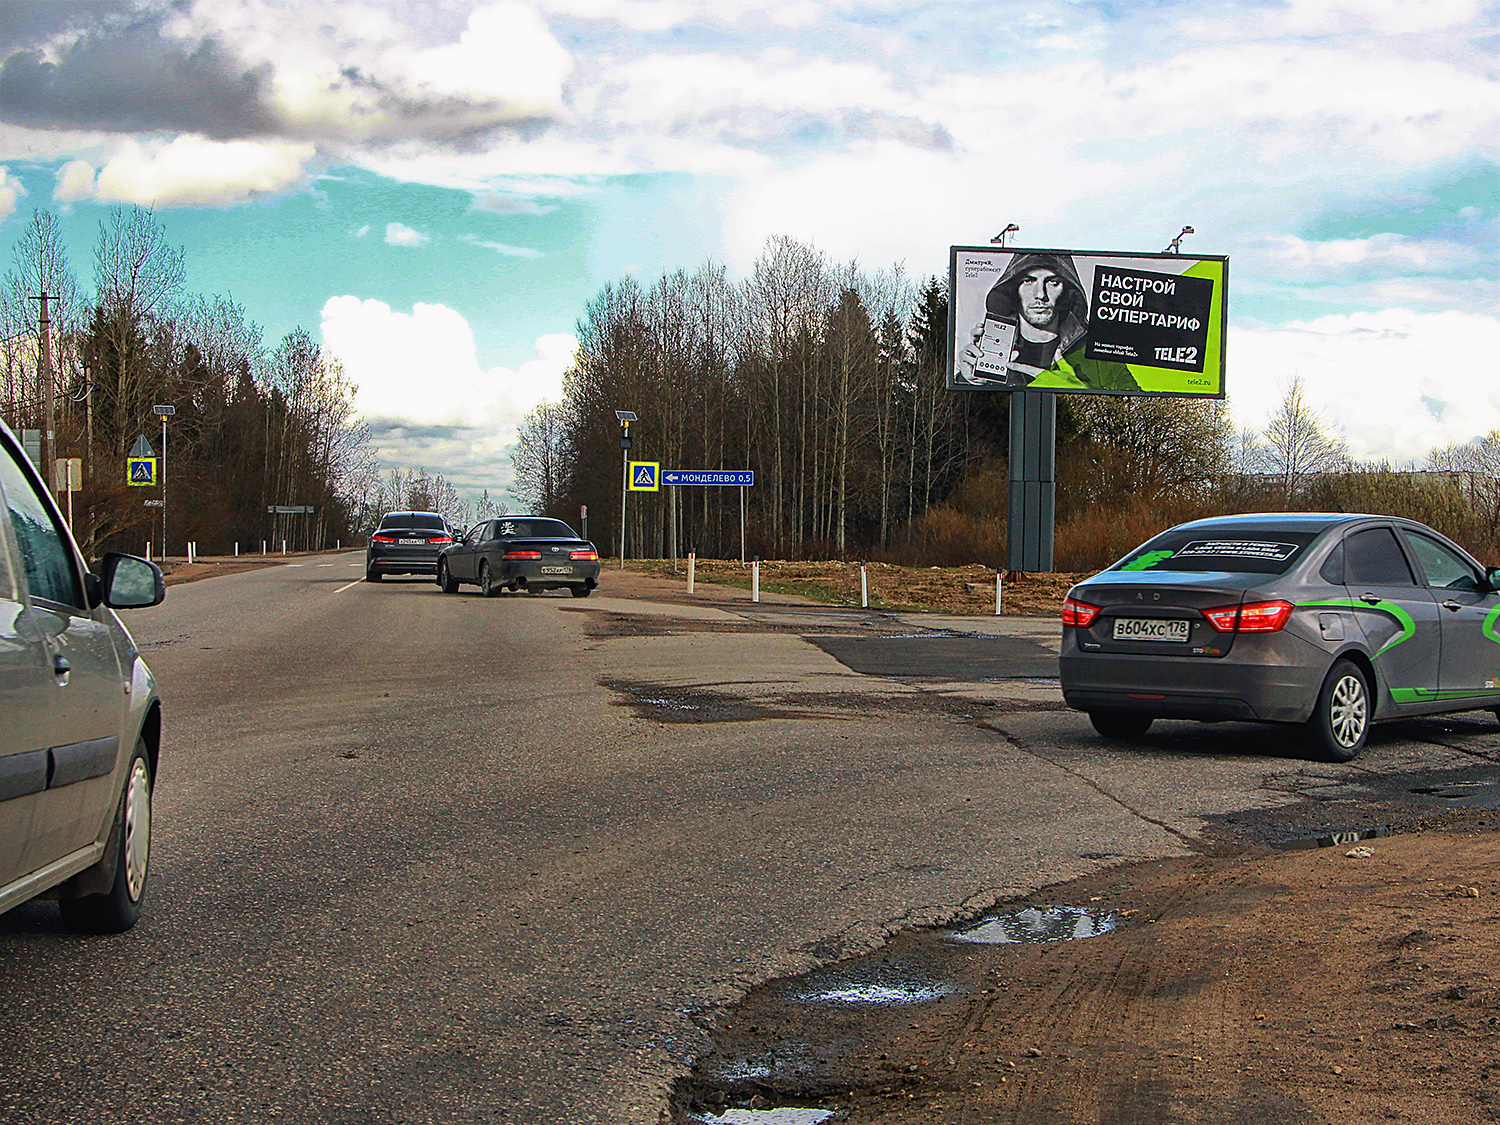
436, 190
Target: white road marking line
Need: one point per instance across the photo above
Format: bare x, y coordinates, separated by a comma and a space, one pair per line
344, 587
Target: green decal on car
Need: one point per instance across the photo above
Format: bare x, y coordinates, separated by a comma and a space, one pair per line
1488, 628
1147, 561
1404, 619
1429, 695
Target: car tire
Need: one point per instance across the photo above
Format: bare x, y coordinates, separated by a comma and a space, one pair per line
1340, 722
372, 575
446, 580
582, 591
1120, 724
128, 853
486, 586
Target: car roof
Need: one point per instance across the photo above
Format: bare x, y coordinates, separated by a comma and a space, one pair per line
1285, 521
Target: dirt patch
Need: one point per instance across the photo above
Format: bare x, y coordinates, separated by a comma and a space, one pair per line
956, 590
1337, 985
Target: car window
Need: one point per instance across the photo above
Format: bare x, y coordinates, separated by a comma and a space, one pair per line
46, 554
419, 521
1227, 549
1374, 558
1444, 568
534, 529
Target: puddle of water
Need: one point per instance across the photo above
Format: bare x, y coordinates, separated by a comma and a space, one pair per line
786, 1115
1332, 840
867, 983
1037, 924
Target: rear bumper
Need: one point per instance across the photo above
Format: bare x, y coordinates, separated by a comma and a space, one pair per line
1275, 679
532, 576
393, 562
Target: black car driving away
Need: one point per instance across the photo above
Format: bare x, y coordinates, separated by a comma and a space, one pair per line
530, 553
1330, 622
406, 543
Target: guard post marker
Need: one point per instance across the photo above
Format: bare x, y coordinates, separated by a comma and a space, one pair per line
692, 561
864, 587
755, 580
999, 574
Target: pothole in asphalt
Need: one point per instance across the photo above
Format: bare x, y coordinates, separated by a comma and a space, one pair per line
866, 982
1036, 924
784, 1115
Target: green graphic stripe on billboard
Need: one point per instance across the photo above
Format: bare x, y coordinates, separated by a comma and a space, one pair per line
1404, 619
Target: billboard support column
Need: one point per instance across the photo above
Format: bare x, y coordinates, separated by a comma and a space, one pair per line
1030, 520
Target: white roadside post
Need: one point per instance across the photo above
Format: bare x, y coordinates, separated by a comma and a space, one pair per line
999, 574
692, 560
755, 580
864, 587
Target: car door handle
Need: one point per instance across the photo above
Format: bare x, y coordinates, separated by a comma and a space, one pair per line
1454, 606
60, 666
1370, 599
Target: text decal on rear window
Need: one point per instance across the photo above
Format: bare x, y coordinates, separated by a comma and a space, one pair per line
1238, 549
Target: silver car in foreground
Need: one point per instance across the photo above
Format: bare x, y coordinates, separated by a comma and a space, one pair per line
1330, 622
82, 716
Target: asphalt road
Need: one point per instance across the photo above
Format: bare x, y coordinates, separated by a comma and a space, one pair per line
421, 858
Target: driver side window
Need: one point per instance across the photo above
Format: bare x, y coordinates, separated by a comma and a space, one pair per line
1444, 569
46, 554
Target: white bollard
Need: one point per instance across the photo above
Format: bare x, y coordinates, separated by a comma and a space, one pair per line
283, 546
999, 574
236, 548
755, 581
692, 561
864, 587
262, 546
148, 550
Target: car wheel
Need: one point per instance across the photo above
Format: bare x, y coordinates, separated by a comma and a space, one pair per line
372, 575
582, 591
487, 587
128, 854
1120, 724
1341, 721
446, 580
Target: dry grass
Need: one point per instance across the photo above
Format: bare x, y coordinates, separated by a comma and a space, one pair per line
954, 589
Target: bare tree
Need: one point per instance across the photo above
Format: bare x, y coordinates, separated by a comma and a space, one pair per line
541, 456
1298, 444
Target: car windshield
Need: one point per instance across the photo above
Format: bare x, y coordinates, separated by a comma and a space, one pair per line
1222, 549
535, 529
416, 521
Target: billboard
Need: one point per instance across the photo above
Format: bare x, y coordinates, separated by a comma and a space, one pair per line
1086, 321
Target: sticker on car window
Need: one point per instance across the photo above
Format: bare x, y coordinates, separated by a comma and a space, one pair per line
507, 530
1147, 561
1238, 549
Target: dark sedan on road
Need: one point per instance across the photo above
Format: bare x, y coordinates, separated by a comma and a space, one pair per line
1331, 622
528, 553
406, 543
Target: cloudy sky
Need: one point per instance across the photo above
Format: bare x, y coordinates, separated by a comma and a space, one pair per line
437, 189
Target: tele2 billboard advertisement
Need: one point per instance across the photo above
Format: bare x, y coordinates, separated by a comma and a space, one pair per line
1086, 321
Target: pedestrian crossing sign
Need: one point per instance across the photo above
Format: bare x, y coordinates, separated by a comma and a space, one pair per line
645, 476
140, 471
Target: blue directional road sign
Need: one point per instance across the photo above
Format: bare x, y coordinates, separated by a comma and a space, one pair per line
645, 476
742, 478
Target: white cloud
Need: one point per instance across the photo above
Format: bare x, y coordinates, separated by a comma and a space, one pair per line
1396, 384
11, 192
192, 170
399, 234
502, 248
422, 367
75, 181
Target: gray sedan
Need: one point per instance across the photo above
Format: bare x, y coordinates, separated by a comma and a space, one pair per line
1331, 622
531, 553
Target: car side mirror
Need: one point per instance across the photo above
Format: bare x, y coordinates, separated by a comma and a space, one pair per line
128, 582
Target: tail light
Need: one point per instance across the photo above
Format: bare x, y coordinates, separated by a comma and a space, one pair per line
1252, 617
443, 539
382, 539
522, 556
584, 556
1079, 614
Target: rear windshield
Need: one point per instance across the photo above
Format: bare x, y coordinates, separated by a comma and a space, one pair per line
1231, 550
421, 521
535, 529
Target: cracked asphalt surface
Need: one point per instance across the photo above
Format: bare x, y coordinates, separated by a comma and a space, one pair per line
428, 859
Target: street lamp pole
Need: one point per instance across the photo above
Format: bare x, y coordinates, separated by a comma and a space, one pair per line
625, 418
165, 412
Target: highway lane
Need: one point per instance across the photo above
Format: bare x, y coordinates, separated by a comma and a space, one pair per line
424, 858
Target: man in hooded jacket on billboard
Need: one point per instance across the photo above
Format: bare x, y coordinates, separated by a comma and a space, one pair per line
1038, 313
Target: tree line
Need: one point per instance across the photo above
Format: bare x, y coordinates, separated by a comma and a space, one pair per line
255, 427
828, 381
